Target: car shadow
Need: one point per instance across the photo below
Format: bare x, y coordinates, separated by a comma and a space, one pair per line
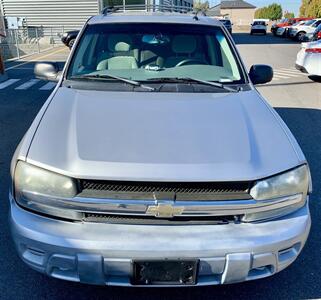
242, 38
315, 78
300, 280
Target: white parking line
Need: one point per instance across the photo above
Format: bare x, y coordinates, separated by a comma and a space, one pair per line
48, 86
289, 71
287, 74
35, 59
27, 84
280, 76
7, 83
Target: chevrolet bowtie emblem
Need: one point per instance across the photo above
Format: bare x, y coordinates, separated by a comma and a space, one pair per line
164, 210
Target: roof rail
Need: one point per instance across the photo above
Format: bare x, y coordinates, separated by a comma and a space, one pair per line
147, 7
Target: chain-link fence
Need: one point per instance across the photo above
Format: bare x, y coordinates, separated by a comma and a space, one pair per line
17, 43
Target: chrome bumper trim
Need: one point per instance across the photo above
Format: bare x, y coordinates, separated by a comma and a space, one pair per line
179, 208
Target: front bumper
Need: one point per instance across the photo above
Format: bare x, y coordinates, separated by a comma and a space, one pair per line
258, 30
103, 254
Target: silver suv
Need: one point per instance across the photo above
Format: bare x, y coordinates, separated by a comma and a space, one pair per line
155, 161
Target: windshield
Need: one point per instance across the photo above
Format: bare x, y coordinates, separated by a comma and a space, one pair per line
143, 52
299, 23
259, 23
309, 22
282, 21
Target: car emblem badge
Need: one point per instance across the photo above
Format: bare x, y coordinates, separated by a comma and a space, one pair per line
164, 210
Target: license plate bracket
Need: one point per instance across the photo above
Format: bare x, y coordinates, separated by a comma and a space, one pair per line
165, 272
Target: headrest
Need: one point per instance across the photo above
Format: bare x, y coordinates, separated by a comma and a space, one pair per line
119, 43
184, 44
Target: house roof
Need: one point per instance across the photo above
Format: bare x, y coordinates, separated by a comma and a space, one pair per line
230, 4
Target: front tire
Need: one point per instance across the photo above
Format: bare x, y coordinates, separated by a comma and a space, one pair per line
71, 43
300, 35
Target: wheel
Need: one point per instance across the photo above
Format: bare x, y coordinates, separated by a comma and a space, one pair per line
251, 33
71, 43
300, 36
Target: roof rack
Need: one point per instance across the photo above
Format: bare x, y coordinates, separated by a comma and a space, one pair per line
147, 7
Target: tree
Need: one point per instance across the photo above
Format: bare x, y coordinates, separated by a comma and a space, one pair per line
200, 5
275, 11
303, 7
289, 15
310, 8
258, 13
272, 12
314, 9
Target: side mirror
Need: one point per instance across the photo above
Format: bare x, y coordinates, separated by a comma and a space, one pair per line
260, 74
47, 71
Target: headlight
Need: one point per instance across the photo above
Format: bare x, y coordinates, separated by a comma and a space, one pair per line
288, 189
34, 186
65, 34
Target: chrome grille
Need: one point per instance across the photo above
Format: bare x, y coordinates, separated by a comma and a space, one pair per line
146, 220
165, 190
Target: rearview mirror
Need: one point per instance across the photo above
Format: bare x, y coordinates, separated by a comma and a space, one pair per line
47, 71
260, 74
158, 39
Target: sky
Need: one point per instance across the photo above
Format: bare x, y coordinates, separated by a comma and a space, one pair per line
290, 5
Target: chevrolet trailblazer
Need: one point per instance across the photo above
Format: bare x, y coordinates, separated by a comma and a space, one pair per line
156, 162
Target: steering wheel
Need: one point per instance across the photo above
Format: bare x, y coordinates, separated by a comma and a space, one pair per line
190, 61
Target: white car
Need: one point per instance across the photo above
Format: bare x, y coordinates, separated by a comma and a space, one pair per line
299, 31
309, 58
258, 27
284, 31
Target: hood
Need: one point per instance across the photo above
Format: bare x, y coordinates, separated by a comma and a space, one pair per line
162, 136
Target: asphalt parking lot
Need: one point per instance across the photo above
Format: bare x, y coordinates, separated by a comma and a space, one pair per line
296, 98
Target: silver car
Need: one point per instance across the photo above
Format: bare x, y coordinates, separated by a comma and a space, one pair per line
156, 162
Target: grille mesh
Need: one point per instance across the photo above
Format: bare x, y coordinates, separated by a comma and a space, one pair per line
148, 220
167, 187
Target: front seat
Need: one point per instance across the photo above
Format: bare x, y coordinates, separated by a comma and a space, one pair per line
118, 55
183, 46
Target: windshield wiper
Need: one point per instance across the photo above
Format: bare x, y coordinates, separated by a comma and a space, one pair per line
108, 76
188, 80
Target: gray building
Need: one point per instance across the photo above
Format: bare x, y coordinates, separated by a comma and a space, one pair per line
70, 14
239, 11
